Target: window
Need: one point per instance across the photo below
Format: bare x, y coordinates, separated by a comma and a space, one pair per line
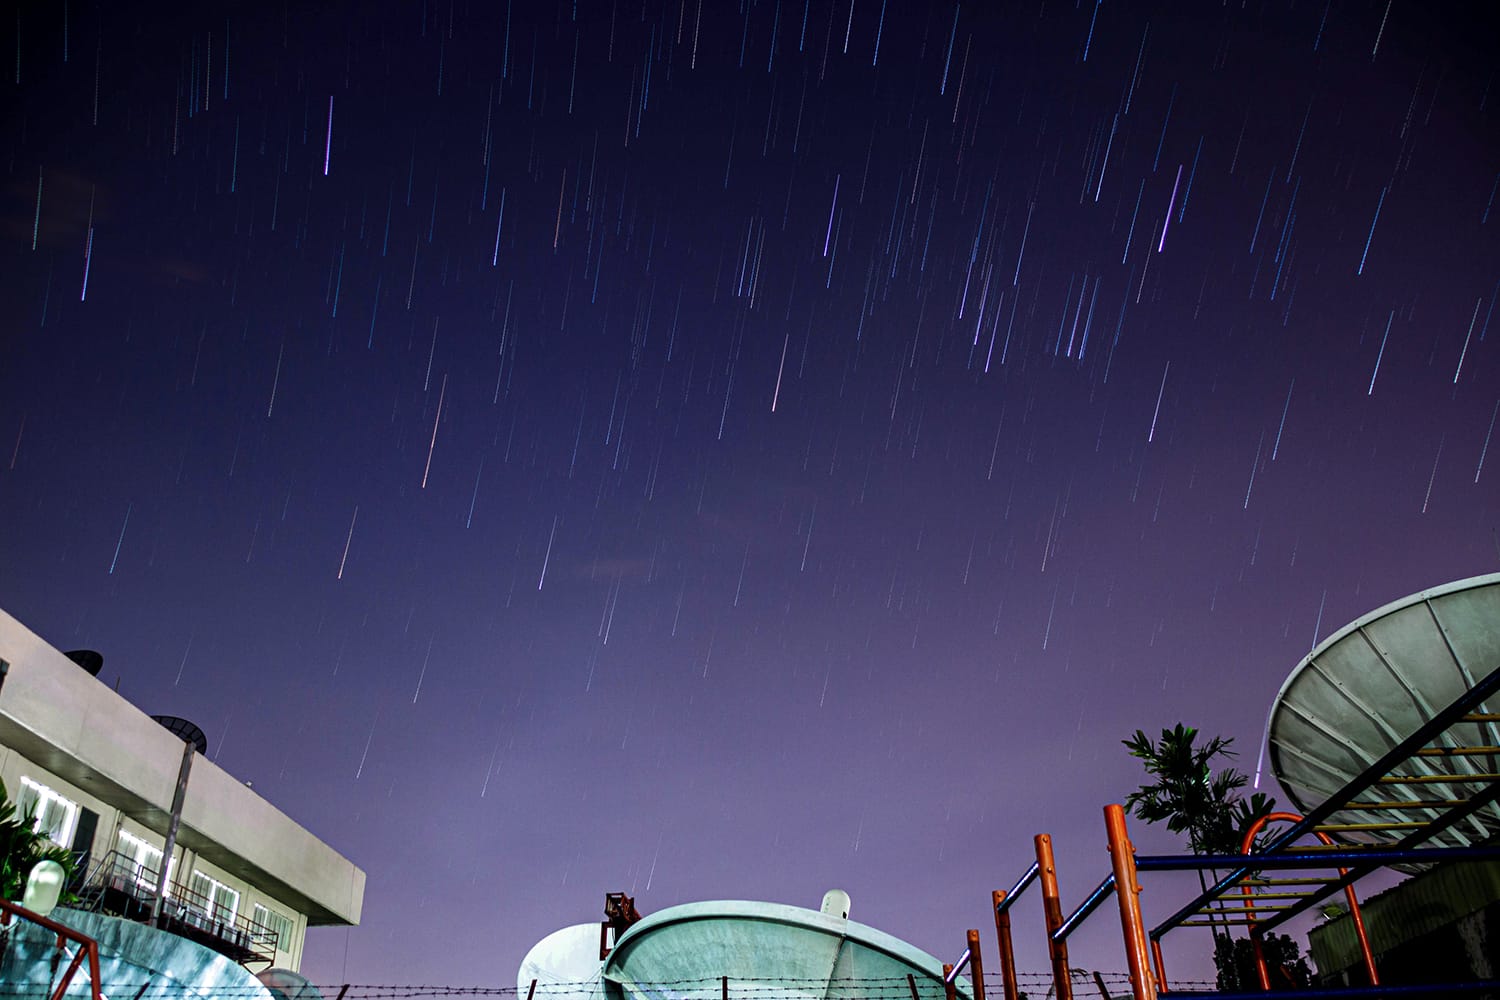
53, 815
221, 901
276, 924
142, 860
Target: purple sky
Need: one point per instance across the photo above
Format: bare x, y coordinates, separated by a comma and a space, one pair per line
733, 449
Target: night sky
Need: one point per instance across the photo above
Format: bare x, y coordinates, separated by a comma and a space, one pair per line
733, 449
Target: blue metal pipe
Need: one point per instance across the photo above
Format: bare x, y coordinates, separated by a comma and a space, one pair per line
1089, 905
958, 967
1310, 859
1442, 989
1020, 887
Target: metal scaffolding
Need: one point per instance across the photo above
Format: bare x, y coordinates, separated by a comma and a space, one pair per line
1400, 802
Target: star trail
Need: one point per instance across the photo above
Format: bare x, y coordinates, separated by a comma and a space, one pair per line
554, 448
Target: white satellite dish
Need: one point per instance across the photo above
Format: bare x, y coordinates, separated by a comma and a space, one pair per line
565, 965
1375, 682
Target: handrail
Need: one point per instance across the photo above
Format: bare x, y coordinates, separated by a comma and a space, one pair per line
1021, 883
952, 974
138, 881
1088, 906
88, 947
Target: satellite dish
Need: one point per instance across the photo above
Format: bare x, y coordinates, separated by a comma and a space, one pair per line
565, 965
184, 730
1373, 683
87, 659
285, 984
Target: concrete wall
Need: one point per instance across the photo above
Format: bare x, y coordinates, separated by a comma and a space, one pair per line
1442, 925
69, 724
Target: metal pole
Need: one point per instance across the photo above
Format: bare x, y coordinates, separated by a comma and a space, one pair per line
1007, 952
1161, 966
976, 965
1127, 892
1247, 842
911, 984
1052, 909
178, 795
949, 992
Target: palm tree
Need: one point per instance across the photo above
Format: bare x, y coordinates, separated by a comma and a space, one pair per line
1191, 798
1188, 795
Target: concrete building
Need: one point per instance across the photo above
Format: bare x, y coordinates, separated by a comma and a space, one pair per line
98, 775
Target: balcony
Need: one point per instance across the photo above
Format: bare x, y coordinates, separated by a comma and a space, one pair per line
122, 887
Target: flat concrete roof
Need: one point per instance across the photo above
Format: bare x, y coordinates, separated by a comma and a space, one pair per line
56, 714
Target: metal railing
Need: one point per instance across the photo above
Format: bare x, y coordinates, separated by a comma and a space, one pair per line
1347, 863
122, 884
88, 948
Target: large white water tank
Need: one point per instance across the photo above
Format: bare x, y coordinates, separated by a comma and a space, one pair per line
564, 965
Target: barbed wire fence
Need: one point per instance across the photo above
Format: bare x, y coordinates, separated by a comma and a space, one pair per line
1033, 986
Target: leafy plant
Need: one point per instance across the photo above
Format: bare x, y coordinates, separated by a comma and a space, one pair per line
1235, 961
1207, 805
1188, 795
22, 846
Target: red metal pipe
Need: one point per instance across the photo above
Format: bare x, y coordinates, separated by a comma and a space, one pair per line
1359, 921
88, 947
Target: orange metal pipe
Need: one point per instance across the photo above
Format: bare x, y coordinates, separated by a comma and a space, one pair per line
1161, 966
976, 964
949, 991
1052, 910
1258, 949
1008, 984
1246, 843
1127, 894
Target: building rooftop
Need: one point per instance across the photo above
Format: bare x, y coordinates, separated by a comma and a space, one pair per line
64, 719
